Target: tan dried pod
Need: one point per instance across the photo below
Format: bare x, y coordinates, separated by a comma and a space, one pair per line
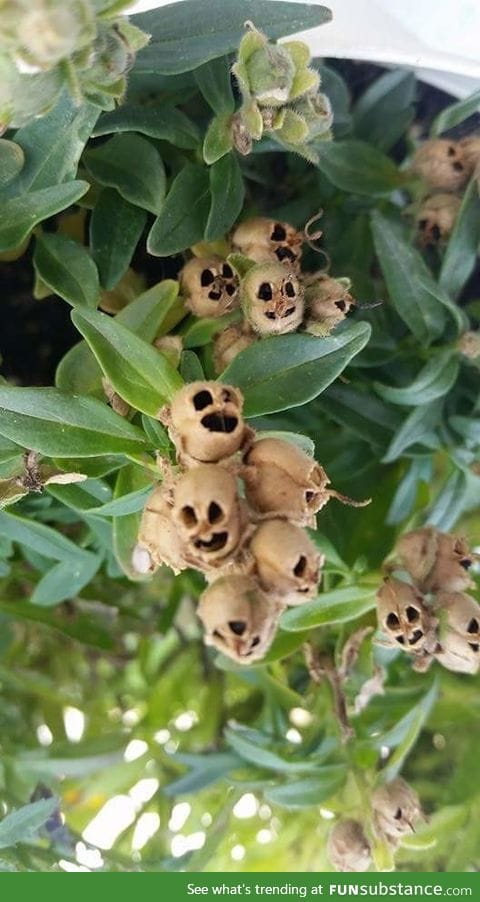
207, 515
286, 561
471, 151
436, 217
442, 164
396, 810
158, 538
469, 345
348, 847
405, 619
267, 240
228, 343
239, 619
436, 561
209, 285
459, 633
205, 421
272, 299
327, 301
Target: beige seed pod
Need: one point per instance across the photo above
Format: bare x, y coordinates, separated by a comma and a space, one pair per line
348, 847
158, 539
208, 516
435, 560
286, 561
436, 217
405, 619
327, 301
267, 240
209, 285
469, 345
205, 422
272, 299
396, 810
459, 632
239, 619
442, 164
228, 344
471, 151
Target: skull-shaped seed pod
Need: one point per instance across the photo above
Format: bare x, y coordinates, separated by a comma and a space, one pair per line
459, 632
441, 164
158, 538
435, 560
209, 285
228, 344
436, 218
328, 301
266, 240
239, 619
471, 151
404, 618
348, 847
205, 421
207, 515
282, 480
271, 299
286, 561
396, 810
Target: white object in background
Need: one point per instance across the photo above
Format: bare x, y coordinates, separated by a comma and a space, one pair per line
438, 38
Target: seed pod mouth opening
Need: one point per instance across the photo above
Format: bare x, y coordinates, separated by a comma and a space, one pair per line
216, 543
218, 422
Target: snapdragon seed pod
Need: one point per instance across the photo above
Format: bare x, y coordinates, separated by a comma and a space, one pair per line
209, 285
435, 560
442, 164
327, 301
405, 619
396, 810
286, 561
348, 847
271, 299
158, 538
205, 421
268, 240
459, 632
436, 217
228, 344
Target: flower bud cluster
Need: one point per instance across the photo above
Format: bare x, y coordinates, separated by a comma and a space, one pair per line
423, 607
235, 508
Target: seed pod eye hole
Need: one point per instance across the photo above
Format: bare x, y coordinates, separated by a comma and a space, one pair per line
206, 278
265, 292
290, 290
230, 289
237, 627
422, 225
466, 563
227, 271
393, 621
202, 399
474, 646
255, 641
417, 635
285, 253
412, 614
288, 312
279, 233
215, 512
341, 305
457, 166
189, 516
473, 626
400, 640
218, 635
398, 814
214, 295
451, 150
300, 566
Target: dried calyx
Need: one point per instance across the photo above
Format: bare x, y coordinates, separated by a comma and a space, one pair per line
436, 217
228, 343
328, 301
348, 847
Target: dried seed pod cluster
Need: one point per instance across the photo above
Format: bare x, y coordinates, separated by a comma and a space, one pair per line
445, 166
252, 547
430, 617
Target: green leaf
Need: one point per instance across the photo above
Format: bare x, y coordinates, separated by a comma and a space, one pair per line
184, 215
218, 139
40, 538
418, 428
125, 528
214, 82
186, 35
403, 736
142, 184
357, 167
338, 94
284, 645
338, 606
83, 628
288, 370
140, 374
160, 122
66, 579
130, 503
190, 367
12, 159
59, 424
196, 333
433, 381
20, 215
206, 770
406, 274
115, 229
461, 252
454, 114
309, 791
228, 191
457, 315
385, 110
67, 268
252, 747
22, 825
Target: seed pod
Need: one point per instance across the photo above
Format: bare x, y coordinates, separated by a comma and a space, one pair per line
435, 560
272, 299
459, 632
205, 421
396, 810
436, 218
471, 151
316, 111
239, 619
283, 480
286, 560
266, 240
442, 164
49, 32
469, 345
348, 847
209, 285
207, 515
327, 301
158, 538
228, 343
405, 619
